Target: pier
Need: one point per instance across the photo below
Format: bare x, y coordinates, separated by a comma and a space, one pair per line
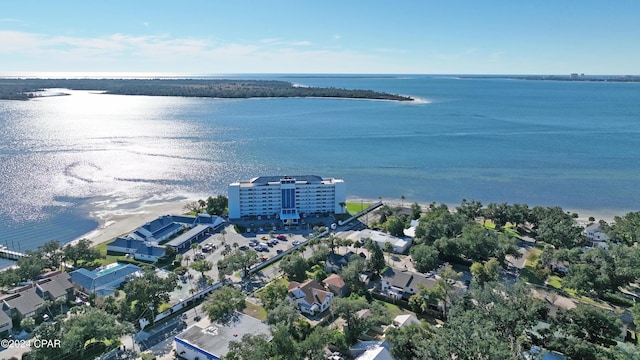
10, 254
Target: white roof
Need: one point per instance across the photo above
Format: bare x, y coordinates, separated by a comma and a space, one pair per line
378, 236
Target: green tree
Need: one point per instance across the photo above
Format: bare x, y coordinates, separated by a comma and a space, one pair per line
217, 205
470, 210
283, 345
445, 289
30, 267
238, 260
272, 295
625, 228
602, 270
148, 292
347, 309
395, 226
81, 251
351, 274
410, 342
558, 228
425, 257
202, 266
319, 253
439, 223
51, 251
485, 272
498, 213
388, 247
77, 332
517, 214
314, 345
250, 347
294, 266
590, 323
416, 211
376, 259
284, 312
489, 324
221, 303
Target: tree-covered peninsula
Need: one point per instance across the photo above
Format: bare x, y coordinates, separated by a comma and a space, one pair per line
24, 89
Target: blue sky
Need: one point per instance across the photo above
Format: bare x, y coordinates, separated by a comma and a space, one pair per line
287, 36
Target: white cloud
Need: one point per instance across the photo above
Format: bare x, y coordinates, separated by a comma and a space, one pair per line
165, 53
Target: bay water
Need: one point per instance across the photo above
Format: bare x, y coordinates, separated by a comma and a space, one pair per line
67, 161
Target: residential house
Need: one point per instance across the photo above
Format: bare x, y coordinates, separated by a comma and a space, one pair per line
184, 240
104, 280
54, 286
336, 284
403, 284
23, 303
411, 231
141, 249
401, 321
371, 350
158, 230
335, 262
212, 342
311, 297
594, 233
400, 246
6, 324
125, 245
148, 251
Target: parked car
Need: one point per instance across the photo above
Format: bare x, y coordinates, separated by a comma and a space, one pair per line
295, 243
265, 238
244, 248
279, 251
281, 237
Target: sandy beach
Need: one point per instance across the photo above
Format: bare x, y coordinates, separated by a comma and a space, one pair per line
118, 224
583, 218
112, 226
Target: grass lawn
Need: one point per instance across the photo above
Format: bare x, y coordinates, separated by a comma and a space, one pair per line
394, 309
255, 311
355, 207
528, 273
555, 281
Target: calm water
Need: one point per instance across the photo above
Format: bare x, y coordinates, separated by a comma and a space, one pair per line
67, 161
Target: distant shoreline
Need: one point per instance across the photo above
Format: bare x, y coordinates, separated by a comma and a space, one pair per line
573, 77
25, 89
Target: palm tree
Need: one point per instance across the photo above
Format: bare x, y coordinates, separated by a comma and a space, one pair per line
388, 247
61, 301
194, 246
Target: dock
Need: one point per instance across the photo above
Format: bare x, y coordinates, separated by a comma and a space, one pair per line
10, 254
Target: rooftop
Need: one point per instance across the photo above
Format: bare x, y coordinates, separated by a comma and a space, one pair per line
184, 237
25, 302
299, 179
215, 338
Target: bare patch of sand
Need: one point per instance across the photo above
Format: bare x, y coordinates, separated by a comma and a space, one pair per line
116, 225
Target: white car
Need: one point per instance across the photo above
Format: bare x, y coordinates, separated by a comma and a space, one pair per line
295, 243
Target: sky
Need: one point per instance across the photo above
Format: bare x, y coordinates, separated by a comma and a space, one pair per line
329, 36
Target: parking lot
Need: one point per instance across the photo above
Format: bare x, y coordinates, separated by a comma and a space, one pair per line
266, 246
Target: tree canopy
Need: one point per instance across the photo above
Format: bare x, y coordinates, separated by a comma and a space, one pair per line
221, 303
